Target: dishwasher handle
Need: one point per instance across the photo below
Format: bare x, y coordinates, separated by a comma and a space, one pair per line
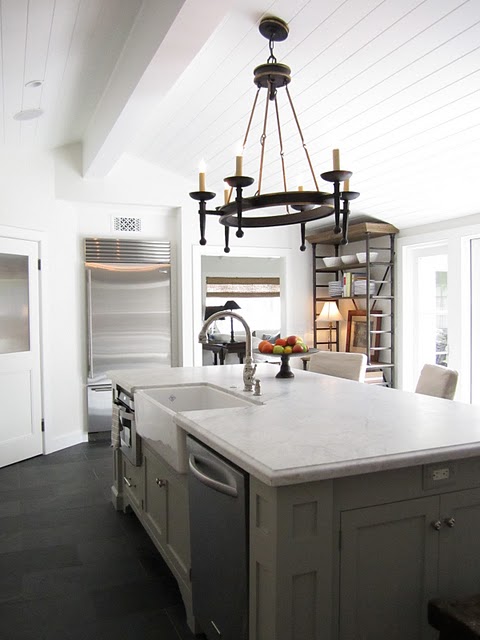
229, 487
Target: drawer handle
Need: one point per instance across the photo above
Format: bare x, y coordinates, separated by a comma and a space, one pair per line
437, 525
127, 481
450, 522
161, 483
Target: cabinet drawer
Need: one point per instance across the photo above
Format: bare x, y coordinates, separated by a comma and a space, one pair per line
133, 483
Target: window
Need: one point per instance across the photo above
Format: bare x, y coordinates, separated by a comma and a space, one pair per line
425, 297
258, 299
432, 312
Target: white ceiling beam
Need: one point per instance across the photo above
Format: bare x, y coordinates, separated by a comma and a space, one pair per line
164, 40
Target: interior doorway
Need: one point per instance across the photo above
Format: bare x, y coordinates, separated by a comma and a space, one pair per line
20, 388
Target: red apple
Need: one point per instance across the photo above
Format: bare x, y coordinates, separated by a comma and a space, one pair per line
291, 340
281, 342
297, 348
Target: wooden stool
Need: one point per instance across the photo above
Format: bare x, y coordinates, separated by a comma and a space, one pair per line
456, 619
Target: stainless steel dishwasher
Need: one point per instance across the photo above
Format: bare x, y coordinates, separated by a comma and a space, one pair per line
218, 497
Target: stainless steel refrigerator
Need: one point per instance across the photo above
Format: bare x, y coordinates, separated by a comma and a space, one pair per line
129, 315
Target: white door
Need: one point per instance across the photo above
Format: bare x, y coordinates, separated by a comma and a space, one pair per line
20, 392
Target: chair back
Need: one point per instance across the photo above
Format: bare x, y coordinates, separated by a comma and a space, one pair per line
340, 364
437, 381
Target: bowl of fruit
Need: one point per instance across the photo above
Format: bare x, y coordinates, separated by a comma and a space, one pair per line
285, 348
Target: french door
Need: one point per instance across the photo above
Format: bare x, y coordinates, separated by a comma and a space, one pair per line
20, 390
475, 321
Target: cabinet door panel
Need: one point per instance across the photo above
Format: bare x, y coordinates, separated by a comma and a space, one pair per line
388, 570
460, 544
178, 530
155, 498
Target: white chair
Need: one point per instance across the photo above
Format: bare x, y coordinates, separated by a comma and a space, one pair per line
341, 364
437, 381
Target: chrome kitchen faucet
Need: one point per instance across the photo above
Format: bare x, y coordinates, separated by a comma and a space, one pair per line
248, 368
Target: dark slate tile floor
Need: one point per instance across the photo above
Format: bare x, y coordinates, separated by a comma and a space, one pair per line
73, 568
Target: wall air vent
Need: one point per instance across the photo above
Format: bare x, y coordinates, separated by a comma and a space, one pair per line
124, 223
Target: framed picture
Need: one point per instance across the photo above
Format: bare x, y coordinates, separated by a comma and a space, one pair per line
357, 332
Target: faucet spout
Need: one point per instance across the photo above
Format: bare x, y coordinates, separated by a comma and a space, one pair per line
248, 368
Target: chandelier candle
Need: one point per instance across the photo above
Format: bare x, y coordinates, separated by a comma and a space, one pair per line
336, 159
238, 165
201, 176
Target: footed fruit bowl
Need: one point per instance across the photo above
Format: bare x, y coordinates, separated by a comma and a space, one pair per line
284, 348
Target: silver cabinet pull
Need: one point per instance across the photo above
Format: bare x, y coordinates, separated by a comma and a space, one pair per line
160, 482
127, 481
450, 522
437, 525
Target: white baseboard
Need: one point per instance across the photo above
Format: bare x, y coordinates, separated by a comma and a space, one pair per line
64, 441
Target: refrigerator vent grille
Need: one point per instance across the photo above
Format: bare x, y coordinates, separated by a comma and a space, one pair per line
114, 250
122, 223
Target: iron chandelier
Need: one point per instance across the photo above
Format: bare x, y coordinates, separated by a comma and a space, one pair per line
307, 205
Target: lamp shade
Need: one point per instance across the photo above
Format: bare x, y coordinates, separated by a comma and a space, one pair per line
231, 305
329, 313
209, 311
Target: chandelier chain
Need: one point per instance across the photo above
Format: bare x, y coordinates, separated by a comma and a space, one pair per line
263, 140
304, 144
245, 138
271, 58
282, 153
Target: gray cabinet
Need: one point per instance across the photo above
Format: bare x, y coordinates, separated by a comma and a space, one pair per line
395, 557
166, 513
388, 561
459, 544
159, 497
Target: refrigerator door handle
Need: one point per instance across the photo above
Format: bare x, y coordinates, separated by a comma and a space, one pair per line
229, 487
89, 323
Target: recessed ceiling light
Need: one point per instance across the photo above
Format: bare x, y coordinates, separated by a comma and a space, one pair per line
28, 114
33, 84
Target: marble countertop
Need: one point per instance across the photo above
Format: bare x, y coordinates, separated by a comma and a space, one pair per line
314, 427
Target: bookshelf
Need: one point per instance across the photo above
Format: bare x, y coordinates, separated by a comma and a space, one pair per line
367, 295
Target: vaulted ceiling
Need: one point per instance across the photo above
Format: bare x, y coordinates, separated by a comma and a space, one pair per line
395, 84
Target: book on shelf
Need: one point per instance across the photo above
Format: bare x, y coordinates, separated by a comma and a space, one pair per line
347, 284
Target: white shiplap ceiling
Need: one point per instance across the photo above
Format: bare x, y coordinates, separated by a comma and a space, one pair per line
395, 84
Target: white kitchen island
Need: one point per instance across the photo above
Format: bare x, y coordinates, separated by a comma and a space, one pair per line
364, 501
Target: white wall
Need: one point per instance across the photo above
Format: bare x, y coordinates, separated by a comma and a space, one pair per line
45, 192
27, 201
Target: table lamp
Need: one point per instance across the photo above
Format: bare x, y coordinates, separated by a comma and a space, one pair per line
231, 305
329, 313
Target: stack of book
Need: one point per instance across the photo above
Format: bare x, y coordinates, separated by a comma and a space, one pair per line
335, 288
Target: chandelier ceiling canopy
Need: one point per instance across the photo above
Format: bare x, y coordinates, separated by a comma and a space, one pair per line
300, 206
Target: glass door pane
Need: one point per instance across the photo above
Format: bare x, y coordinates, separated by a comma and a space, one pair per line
14, 304
432, 318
